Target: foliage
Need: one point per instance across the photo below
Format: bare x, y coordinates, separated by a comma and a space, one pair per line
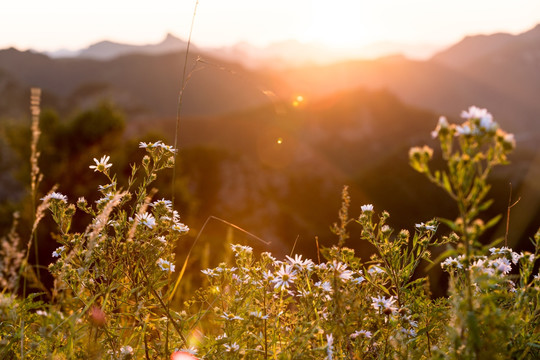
115, 281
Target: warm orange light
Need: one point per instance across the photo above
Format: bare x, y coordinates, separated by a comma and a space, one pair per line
279, 141
298, 100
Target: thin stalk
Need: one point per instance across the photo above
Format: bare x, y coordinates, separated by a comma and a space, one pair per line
180, 98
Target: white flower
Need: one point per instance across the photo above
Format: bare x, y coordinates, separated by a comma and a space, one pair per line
329, 346
59, 251
258, 315
102, 164
374, 270
451, 263
502, 265
166, 203
422, 226
126, 350
509, 140
341, 270
384, 305
325, 286
229, 316
237, 249
55, 196
367, 208
284, 277
475, 113
165, 265
363, 333
463, 130
181, 228
498, 251
299, 263
146, 219
441, 125
358, 280
410, 332
234, 347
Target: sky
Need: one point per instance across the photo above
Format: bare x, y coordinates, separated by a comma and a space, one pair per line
345, 24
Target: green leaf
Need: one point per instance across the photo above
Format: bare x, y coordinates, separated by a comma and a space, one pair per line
493, 221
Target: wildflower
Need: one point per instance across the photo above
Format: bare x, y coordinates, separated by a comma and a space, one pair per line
442, 126
341, 270
165, 265
97, 316
237, 249
367, 208
284, 277
258, 315
234, 347
422, 226
102, 164
126, 350
463, 130
181, 228
362, 333
55, 196
374, 270
325, 286
409, 332
58, 252
500, 251
451, 263
229, 316
475, 112
330, 346
165, 203
509, 141
299, 263
502, 265
384, 305
106, 187
146, 219
358, 280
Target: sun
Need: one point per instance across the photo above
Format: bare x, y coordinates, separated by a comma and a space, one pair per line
343, 23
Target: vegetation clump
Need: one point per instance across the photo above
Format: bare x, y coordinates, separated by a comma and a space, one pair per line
115, 283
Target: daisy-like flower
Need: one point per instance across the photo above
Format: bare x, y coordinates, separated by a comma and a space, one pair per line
102, 164
475, 112
126, 350
165, 265
237, 249
361, 333
367, 208
324, 286
229, 316
181, 228
258, 315
384, 305
165, 203
502, 265
146, 219
422, 226
375, 270
234, 347
299, 263
55, 196
451, 263
284, 277
341, 270
500, 251
463, 130
442, 126
59, 251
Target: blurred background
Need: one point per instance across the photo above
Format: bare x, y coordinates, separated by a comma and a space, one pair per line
284, 105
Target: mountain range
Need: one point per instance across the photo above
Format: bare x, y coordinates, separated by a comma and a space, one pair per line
299, 131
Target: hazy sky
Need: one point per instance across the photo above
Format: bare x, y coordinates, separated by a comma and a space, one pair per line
55, 24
